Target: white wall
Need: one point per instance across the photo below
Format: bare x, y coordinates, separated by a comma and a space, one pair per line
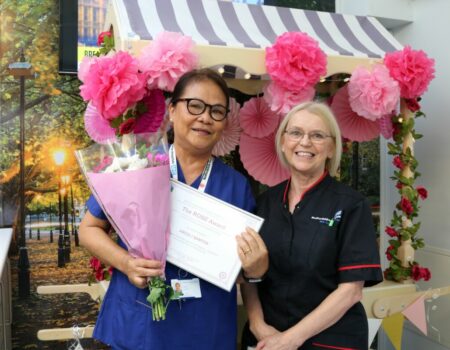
429, 31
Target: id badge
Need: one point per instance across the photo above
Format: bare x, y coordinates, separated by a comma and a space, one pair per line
190, 288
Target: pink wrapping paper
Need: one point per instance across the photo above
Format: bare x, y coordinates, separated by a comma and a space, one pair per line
138, 206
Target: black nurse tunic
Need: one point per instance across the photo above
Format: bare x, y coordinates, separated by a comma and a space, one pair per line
327, 240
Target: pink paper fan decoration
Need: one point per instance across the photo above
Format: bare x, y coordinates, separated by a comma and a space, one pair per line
353, 126
295, 61
281, 100
97, 127
386, 126
166, 59
151, 120
373, 94
260, 159
257, 119
232, 132
412, 69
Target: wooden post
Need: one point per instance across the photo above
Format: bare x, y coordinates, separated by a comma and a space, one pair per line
406, 252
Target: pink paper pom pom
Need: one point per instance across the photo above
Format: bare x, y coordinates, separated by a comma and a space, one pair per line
412, 69
295, 61
281, 100
113, 84
373, 94
85, 65
167, 59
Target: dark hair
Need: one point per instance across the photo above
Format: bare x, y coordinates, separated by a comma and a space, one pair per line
197, 75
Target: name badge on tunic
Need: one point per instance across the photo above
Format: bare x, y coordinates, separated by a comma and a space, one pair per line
189, 287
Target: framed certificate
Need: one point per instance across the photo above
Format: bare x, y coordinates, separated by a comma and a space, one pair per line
202, 235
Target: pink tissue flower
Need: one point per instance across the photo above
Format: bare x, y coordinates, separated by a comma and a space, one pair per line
281, 100
113, 84
412, 69
295, 61
85, 65
373, 94
167, 59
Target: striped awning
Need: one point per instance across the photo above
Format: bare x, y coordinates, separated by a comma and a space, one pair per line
224, 23
234, 36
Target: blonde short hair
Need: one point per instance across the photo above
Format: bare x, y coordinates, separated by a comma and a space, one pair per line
327, 116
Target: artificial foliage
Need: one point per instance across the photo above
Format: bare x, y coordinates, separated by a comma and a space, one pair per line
404, 225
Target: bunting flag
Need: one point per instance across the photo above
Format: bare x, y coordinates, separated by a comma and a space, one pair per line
393, 326
374, 325
416, 314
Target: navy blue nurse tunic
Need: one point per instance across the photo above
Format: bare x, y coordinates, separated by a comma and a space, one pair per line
328, 239
210, 322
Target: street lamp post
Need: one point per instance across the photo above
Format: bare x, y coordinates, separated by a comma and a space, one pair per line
51, 224
61, 259
30, 232
59, 157
22, 70
74, 228
38, 223
65, 181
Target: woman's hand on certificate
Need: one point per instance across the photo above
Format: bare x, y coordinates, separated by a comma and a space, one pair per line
253, 253
139, 270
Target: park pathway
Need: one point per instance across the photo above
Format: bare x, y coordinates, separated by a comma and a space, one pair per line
51, 311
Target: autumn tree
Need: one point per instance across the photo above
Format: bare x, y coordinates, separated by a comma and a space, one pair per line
53, 117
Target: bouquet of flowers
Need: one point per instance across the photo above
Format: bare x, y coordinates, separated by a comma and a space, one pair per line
129, 177
127, 169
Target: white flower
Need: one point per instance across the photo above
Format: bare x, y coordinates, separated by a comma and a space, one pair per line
138, 164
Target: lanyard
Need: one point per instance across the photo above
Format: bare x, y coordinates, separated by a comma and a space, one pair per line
174, 170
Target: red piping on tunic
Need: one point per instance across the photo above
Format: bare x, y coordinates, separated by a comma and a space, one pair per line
331, 347
353, 267
325, 173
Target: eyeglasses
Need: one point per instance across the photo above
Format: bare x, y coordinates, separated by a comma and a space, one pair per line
316, 137
196, 106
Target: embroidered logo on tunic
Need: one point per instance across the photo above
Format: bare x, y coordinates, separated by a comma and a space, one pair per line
329, 222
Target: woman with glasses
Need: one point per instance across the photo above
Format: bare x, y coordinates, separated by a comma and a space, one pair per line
198, 111
321, 242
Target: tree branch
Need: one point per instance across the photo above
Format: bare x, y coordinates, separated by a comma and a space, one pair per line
15, 113
41, 190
